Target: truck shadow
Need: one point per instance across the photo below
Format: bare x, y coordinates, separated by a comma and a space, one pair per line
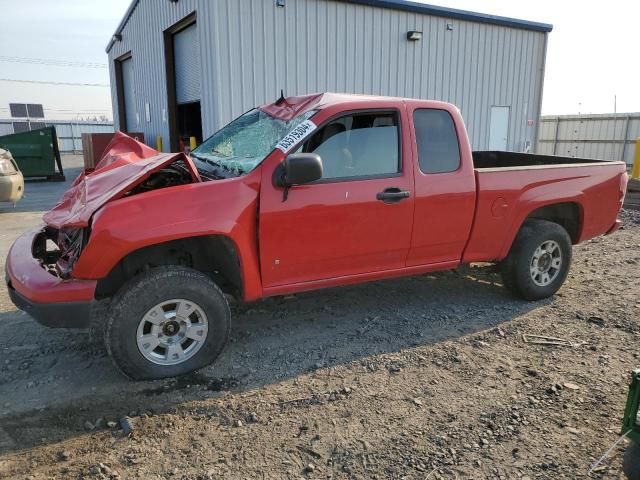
53, 382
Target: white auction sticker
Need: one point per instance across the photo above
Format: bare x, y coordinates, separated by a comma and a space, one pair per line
292, 138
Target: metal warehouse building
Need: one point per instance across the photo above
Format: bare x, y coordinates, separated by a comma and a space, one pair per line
182, 68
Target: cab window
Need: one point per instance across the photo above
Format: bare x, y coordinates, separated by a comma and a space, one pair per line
437, 140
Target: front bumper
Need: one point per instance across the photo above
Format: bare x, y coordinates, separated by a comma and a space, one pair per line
54, 315
11, 187
52, 301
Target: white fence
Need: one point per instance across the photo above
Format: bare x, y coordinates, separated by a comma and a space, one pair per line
69, 133
605, 137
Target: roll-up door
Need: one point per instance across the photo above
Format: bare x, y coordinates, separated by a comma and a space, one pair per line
187, 65
130, 121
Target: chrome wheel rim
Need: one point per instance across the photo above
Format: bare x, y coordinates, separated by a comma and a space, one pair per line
546, 263
172, 332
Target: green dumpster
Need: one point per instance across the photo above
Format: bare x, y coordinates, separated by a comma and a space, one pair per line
36, 152
631, 427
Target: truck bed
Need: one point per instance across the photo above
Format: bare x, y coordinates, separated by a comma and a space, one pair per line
497, 159
510, 186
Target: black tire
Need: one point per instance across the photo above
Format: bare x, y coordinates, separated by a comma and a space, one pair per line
516, 268
631, 462
136, 297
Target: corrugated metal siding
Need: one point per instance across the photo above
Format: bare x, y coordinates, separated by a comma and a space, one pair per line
606, 136
250, 49
143, 37
320, 45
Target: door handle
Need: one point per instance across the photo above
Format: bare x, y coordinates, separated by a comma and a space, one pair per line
392, 195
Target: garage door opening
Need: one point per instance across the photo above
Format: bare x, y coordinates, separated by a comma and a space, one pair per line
182, 52
189, 123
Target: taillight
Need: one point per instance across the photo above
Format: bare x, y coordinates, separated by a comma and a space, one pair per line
7, 167
624, 180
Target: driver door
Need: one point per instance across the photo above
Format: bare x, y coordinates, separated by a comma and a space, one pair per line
343, 224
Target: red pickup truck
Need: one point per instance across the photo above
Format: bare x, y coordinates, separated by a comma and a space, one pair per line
305, 193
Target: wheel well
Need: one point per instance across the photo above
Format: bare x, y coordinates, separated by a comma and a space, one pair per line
567, 215
213, 255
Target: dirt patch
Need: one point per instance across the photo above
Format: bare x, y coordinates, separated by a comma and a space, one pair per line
425, 377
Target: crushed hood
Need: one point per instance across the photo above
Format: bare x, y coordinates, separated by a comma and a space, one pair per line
125, 164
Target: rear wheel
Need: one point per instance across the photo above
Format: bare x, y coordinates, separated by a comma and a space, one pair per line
167, 322
539, 260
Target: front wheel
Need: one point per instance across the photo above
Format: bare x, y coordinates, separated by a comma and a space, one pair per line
539, 260
167, 322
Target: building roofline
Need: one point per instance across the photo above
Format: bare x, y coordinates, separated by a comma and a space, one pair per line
455, 13
122, 24
407, 6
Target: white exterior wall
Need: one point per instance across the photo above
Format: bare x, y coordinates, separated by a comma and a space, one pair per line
250, 49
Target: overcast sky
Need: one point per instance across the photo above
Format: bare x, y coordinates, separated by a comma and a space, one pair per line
592, 53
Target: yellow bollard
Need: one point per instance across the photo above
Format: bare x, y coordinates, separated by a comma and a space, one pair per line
159, 143
635, 171
192, 143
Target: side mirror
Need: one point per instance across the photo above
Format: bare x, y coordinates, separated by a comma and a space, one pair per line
301, 168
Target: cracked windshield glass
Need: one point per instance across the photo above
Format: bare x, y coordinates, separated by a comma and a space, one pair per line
240, 146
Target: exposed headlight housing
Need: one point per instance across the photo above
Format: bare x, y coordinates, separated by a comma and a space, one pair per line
70, 241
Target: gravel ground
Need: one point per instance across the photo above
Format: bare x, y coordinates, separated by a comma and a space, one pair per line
423, 377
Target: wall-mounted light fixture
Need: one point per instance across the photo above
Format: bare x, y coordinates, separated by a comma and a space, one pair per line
414, 36
450, 26
281, 3
117, 37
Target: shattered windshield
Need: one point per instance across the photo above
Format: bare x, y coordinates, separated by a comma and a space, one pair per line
240, 146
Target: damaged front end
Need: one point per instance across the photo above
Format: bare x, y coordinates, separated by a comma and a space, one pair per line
128, 168
173, 175
58, 250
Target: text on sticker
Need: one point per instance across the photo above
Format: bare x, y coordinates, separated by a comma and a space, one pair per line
292, 138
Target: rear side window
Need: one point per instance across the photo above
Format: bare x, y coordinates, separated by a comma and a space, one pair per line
438, 149
358, 145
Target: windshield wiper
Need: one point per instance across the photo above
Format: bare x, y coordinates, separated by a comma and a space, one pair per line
208, 174
219, 166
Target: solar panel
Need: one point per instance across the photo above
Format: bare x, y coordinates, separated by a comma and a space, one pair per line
19, 127
18, 110
35, 110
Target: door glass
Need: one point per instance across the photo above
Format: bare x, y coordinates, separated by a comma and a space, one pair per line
358, 145
437, 139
